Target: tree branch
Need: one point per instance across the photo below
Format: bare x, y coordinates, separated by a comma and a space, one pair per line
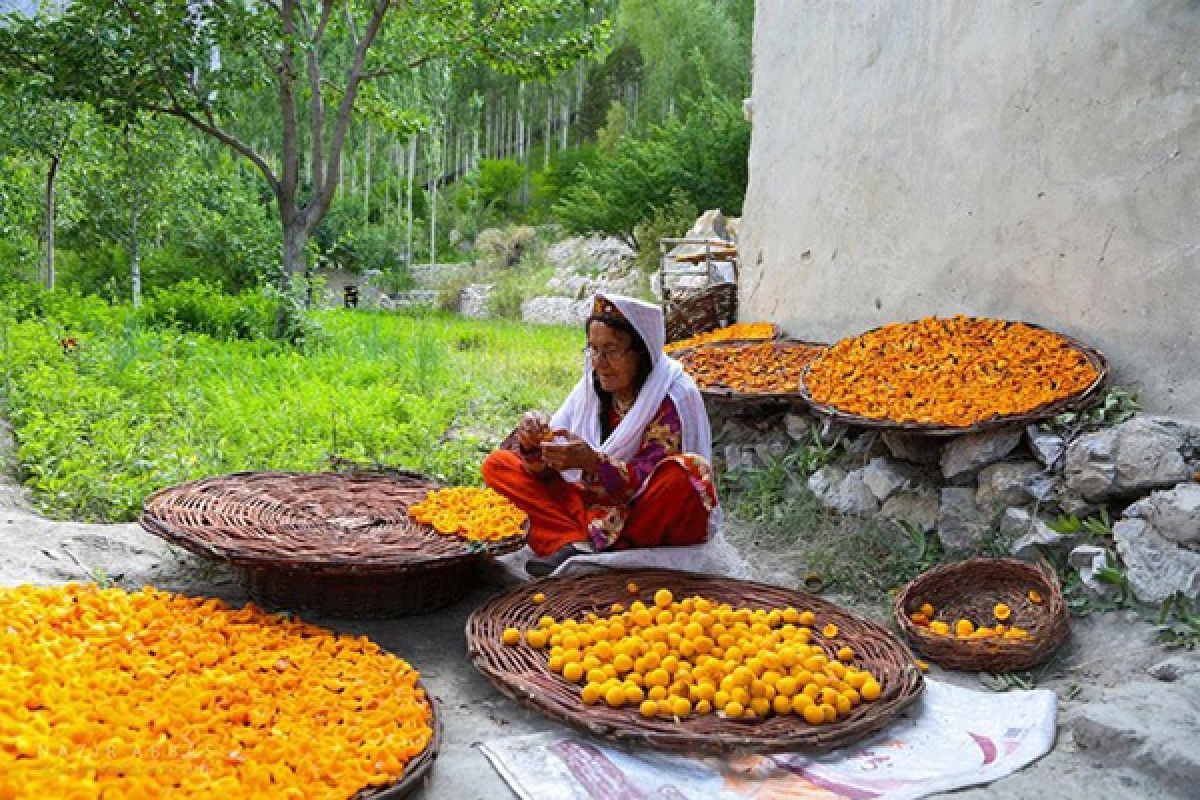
210, 127
320, 201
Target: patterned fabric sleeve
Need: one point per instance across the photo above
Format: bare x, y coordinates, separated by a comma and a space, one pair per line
616, 482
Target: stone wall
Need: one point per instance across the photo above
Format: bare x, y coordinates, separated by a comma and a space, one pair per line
1036, 161
1001, 489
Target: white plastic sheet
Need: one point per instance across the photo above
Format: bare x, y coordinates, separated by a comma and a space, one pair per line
951, 739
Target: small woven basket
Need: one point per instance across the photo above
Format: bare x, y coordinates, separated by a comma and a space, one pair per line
522, 673
693, 311
416, 773
970, 590
337, 544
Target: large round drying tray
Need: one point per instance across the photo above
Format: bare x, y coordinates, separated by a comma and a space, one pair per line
1070, 402
522, 673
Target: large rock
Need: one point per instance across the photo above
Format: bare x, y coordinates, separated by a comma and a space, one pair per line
965, 455
473, 302
1156, 566
1143, 453
1144, 725
913, 447
918, 507
555, 311
1028, 532
962, 525
1007, 483
1046, 445
884, 478
1175, 513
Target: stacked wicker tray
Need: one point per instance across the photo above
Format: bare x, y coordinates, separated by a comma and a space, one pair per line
328, 542
523, 674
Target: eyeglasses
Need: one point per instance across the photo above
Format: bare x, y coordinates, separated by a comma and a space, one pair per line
608, 355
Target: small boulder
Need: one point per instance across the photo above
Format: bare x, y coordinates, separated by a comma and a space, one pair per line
739, 457
913, 447
1046, 445
843, 492
1174, 513
1029, 533
965, 455
1175, 667
917, 507
884, 478
798, 427
1143, 453
1007, 483
962, 526
1088, 559
1156, 566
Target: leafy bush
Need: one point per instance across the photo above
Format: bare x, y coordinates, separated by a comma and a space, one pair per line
505, 247
702, 157
500, 182
197, 307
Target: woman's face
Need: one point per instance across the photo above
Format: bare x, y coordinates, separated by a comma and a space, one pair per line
613, 357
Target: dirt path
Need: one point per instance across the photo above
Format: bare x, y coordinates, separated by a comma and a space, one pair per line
1122, 733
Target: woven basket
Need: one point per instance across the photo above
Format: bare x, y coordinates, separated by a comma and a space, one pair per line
970, 590
693, 311
1071, 402
723, 393
416, 774
339, 544
522, 674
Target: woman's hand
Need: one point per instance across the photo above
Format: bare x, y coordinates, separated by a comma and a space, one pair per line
533, 430
568, 451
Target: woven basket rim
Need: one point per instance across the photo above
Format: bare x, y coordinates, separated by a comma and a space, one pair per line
734, 396
1071, 402
183, 538
1046, 635
418, 768
531, 683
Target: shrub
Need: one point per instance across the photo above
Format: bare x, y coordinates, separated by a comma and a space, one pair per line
197, 307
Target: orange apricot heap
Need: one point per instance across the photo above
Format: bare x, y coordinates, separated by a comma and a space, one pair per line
108, 693
966, 629
767, 368
953, 372
693, 657
739, 330
480, 515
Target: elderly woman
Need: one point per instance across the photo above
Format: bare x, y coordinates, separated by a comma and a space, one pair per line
626, 461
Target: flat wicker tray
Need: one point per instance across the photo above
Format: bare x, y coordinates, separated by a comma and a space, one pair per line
332, 543
416, 774
726, 394
522, 674
970, 590
1072, 402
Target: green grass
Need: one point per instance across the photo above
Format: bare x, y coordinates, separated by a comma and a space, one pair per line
137, 408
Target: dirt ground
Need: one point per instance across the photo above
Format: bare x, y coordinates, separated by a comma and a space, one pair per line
1150, 752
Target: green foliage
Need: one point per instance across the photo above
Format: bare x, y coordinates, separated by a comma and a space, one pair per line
134, 408
196, 307
500, 184
1098, 527
1115, 405
1178, 622
702, 159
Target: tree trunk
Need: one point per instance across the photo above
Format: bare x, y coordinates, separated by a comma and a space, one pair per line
51, 176
367, 181
412, 171
135, 263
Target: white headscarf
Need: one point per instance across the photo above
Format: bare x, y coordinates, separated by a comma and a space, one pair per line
580, 414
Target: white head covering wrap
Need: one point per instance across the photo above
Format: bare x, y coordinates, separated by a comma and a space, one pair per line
580, 414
